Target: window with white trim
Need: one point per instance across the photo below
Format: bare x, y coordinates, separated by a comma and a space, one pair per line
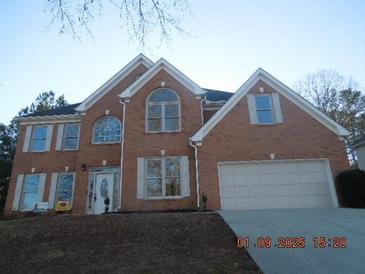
163, 111
264, 109
65, 186
38, 139
162, 177
30, 191
71, 135
106, 130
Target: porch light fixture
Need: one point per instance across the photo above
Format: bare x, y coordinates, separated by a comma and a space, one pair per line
262, 89
162, 83
33, 169
83, 167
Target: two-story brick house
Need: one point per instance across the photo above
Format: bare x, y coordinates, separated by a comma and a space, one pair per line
152, 139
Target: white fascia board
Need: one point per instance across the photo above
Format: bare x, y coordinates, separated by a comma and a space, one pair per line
52, 119
290, 94
157, 67
218, 116
112, 82
304, 104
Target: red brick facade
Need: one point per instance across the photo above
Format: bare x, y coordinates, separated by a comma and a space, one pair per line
234, 139
299, 137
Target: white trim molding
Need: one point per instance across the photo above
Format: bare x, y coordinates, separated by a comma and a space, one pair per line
162, 64
112, 82
284, 90
51, 119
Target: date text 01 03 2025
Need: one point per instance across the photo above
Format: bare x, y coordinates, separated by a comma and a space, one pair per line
292, 242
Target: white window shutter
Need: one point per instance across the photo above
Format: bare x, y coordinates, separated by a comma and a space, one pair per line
140, 178
277, 107
184, 176
28, 135
48, 138
59, 136
52, 190
42, 183
252, 108
18, 191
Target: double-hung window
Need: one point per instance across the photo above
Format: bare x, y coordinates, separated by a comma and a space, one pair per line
71, 134
264, 109
162, 177
38, 139
65, 186
163, 111
30, 192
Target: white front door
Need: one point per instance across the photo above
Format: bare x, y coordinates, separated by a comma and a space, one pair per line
276, 184
104, 189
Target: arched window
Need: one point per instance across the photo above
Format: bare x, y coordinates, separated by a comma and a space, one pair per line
163, 111
107, 129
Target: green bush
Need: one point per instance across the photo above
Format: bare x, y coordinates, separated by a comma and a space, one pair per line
351, 186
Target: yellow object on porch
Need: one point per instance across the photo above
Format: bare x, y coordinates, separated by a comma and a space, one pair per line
63, 206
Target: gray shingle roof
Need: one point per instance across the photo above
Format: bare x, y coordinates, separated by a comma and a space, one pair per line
217, 95
66, 110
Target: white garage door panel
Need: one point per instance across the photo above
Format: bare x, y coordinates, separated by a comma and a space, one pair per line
275, 184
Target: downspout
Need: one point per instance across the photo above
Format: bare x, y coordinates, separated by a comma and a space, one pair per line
196, 173
201, 109
121, 156
196, 156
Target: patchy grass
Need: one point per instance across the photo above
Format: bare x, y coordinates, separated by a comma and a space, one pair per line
128, 243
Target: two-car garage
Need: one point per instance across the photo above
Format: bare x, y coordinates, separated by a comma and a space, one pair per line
276, 184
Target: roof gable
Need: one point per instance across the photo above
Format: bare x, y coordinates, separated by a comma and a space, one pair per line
284, 90
112, 82
162, 64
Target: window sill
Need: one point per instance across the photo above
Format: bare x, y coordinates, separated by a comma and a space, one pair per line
113, 143
266, 125
164, 198
162, 132
68, 150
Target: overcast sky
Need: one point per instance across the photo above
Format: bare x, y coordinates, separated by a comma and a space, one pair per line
229, 40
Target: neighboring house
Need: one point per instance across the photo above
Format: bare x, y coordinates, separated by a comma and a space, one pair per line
359, 148
152, 139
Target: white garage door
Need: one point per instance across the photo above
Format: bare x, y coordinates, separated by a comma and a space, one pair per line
276, 184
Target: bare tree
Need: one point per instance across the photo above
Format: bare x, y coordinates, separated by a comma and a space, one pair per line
337, 97
139, 18
321, 89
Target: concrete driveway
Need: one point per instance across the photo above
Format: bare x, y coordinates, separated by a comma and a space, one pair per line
308, 223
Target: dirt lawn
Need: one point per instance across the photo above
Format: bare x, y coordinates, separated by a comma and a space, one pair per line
128, 243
